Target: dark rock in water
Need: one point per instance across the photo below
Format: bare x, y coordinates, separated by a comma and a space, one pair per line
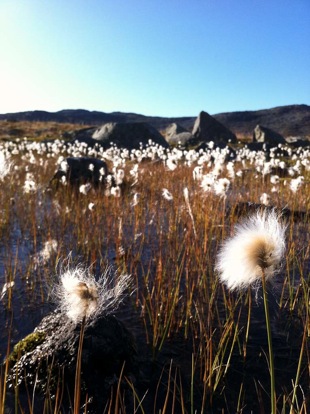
207, 128
81, 170
246, 208
123, 134
46, 359
262, 134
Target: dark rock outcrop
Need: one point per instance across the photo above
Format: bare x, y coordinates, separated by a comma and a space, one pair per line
175, 134
207, 128
297, 142
289, 120
125, 135
246, 208
81, 170
46, 359
262, 134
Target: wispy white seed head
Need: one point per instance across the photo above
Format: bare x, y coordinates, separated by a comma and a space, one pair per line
171, 164
135, 200
221, 187
167, 195
274, 179
30, 186
81, 296
5, 164
257, 246
207, 183
265, 199
84, 188
64, 166
119, 176
296, 183
44, 255
116, 191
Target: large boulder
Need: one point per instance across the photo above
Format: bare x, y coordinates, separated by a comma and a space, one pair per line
265, 135
81, 170
175, 134
45, 360
246, 208
207, 128
124, 134
297, 142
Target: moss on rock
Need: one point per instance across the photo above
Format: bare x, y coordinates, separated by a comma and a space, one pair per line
27, 344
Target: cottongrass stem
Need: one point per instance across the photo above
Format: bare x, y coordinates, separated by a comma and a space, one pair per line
189, 209
251, 256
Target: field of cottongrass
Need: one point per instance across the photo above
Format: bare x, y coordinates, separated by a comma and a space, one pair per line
162, 219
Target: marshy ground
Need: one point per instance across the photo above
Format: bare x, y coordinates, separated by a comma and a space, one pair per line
200, 347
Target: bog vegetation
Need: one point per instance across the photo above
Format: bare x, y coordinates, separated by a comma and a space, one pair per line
161, 218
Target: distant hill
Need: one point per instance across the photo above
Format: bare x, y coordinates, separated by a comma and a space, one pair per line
84, 117
292, 120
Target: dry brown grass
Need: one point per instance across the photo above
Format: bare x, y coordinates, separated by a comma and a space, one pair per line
11, 130
201, 346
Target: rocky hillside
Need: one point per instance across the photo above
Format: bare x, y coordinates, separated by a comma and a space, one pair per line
292, 120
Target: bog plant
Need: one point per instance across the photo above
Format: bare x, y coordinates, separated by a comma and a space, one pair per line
251, 256
81, 297
171, 220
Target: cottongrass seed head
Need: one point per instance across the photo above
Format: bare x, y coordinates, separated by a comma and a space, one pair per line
257, 246
80, 295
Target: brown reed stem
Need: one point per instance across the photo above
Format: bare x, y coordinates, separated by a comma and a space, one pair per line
77, 385
304, 339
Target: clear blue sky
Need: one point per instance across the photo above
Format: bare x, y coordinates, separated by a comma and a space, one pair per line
166, 58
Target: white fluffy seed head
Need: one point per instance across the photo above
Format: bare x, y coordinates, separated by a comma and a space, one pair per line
81, 296
78, 294
64, 166
166, 194
84, 188
257, 246
5, 164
